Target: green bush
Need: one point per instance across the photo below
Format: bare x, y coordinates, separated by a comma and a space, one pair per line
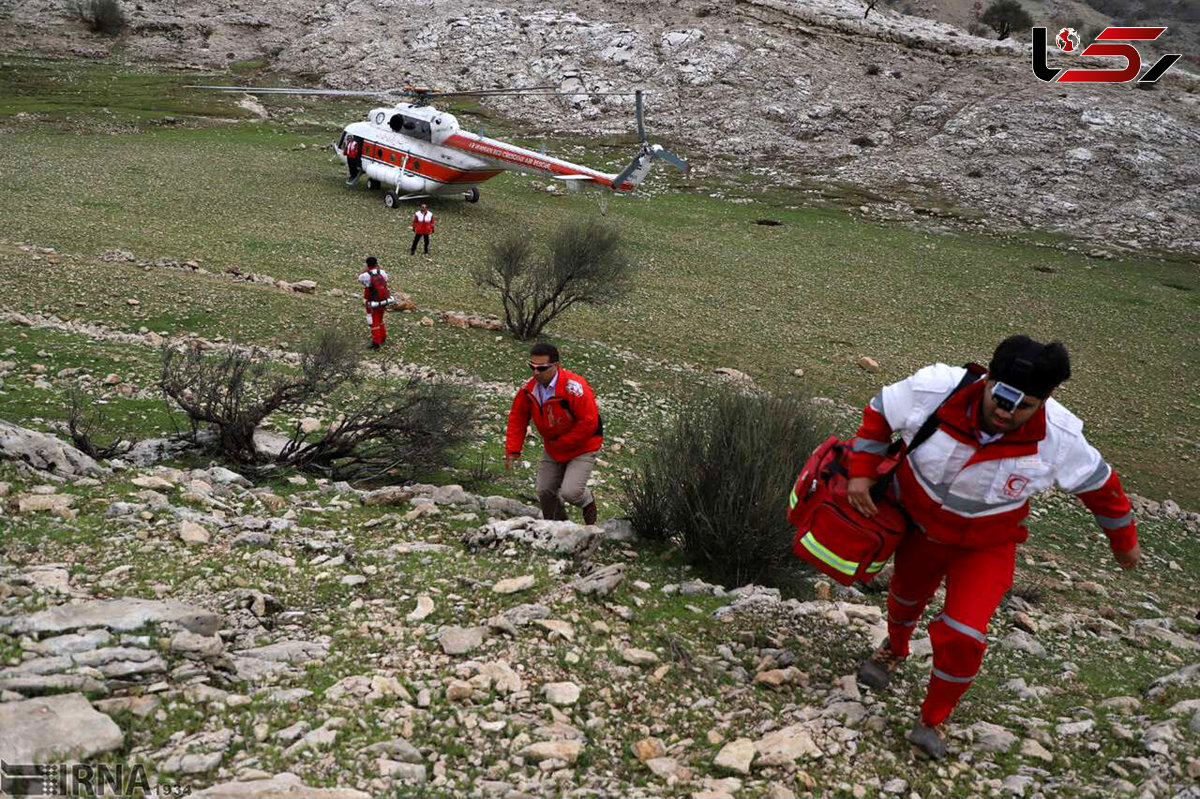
1005, 16
102, 16
716, 482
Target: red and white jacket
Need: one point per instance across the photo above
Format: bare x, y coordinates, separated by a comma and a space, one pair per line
964, 493
569, 421
422, 222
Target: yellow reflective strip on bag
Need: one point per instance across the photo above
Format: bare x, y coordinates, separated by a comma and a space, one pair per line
825, 556
876, 566
793, 499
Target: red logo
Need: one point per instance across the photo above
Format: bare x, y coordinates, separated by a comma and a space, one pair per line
1068, 42
1015, 485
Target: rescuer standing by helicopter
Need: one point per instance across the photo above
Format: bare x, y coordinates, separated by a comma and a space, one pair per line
422, 225
353, 159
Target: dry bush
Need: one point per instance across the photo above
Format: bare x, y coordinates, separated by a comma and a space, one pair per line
586, 265
88, 426
101, 16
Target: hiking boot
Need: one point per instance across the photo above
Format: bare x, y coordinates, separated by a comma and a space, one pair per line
589, 513
553, 509
351, 181
930, 740
877, 670
372, 346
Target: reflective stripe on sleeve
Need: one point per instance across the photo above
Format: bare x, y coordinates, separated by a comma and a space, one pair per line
825, 556
869, 445
1114, 522
793, 499
876, 566
941, 675
1095, 480
958, 626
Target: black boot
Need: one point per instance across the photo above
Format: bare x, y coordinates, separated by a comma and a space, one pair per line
589, 513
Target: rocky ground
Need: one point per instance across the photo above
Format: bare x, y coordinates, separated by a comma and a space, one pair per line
282, 635
896, 113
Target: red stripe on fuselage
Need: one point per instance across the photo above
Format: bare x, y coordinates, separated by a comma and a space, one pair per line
489, 148
426, 168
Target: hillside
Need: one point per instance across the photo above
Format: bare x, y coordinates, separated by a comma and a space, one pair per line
905, 114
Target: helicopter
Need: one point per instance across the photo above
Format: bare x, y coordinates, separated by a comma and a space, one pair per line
414, 150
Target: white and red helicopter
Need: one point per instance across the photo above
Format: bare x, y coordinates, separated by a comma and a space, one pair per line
414, 150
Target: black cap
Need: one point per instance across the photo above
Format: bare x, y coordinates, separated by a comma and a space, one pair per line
371, 261
1026, 365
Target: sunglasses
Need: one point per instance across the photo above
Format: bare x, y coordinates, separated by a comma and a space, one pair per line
540, 367
1006, 397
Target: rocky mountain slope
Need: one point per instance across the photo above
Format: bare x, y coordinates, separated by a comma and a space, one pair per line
276, 635
903, 113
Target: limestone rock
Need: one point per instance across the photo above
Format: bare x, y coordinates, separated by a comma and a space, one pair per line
649, 749
514, 585
639, 657
561, 693
461, 640
423, 609
123, 615
992, 737
55, 728
567, 751
192, 533
281, 786
602, 581
736, 756
45, 453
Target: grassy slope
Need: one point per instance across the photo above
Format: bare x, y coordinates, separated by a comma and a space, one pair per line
815, 293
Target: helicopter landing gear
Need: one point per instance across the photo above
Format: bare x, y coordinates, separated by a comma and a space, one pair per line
391, 199
471, 195
373, 184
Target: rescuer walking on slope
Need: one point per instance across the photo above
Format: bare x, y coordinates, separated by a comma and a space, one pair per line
376, 299
563, 409
998, 442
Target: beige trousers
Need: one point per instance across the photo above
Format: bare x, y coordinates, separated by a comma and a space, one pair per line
567, 481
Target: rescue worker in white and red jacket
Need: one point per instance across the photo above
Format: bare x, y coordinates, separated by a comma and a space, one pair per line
564, 411
999, 441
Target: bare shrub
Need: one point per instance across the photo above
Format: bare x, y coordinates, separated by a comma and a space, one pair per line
236, 391
101, 16
716, 480
397, 431
89, 428
586, 265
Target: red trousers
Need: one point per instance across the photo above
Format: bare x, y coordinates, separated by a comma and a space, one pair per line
375, 320
976, 582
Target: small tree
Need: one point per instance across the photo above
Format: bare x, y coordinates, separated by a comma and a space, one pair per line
1003, 16
586, 265
715, 481
101, 16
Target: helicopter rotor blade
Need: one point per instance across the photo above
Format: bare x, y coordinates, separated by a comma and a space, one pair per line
658, 152
286, 90
637, 110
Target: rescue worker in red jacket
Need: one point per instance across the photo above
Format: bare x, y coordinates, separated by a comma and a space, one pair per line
999, 441
563, 409
376, 299
353, 159
422, 225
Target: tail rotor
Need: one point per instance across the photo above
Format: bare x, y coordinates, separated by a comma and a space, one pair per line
648, 153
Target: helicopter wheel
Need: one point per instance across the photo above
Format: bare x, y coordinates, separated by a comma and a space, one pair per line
471, 195
373, 184
390, 199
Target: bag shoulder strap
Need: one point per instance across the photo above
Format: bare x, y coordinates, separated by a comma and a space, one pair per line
927, 429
